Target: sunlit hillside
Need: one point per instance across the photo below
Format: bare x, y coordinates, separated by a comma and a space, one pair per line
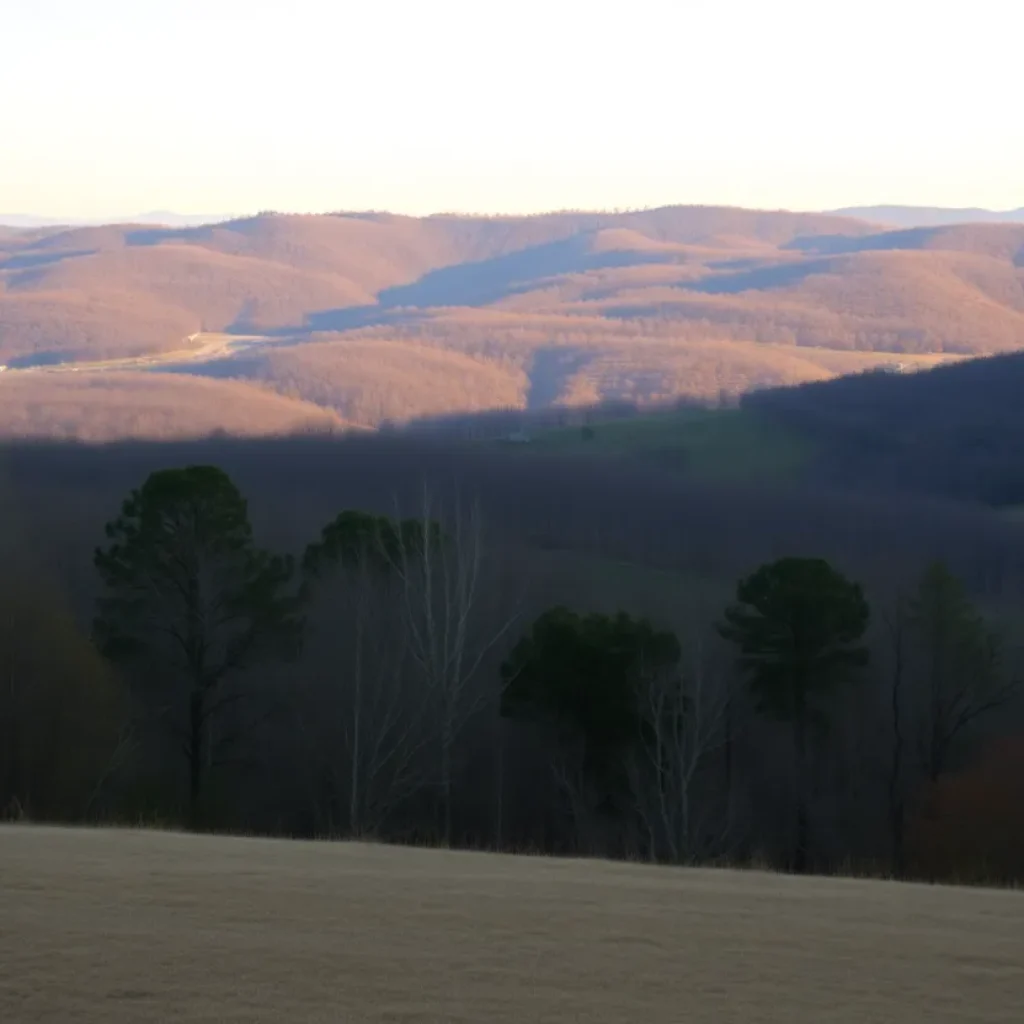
374, 317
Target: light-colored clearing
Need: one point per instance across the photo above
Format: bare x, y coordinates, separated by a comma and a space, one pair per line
199, 348
116, 926
734, 445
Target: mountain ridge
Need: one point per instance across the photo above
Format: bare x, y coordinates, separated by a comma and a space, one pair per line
931, 216
562, 308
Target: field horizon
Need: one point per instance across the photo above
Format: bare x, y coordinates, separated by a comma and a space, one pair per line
129, 923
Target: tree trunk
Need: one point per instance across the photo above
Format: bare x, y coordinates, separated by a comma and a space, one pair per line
196, 652
15, 713
446, 782
728, 751
195, 756
499, 815
897, 826
897, 817
354, 822
800, 852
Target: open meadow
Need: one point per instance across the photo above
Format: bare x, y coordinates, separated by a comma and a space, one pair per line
119, 926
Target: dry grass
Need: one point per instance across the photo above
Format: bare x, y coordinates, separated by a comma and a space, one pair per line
112, 927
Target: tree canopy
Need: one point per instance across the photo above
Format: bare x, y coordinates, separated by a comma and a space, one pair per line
582, 673
356, 539
798, 624
189, 594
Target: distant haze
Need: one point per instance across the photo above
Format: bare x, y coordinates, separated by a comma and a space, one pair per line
890, 216
460, 106
930, 216
157, 217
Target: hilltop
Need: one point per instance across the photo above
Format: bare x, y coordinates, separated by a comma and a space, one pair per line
376, 317
931, 216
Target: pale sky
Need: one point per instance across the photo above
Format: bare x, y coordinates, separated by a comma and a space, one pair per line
112, 107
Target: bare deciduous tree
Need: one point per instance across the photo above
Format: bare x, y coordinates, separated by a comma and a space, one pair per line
964, 675
683, 716
367, 731
382, 727
895, 622
448, 629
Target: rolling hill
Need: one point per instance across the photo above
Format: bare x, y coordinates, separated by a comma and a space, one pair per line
150, 407
953, 433
931, 216
956, 432
376, 317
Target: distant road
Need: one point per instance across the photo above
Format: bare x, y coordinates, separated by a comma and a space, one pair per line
201, 348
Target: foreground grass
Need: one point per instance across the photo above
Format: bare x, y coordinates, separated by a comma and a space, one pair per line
118, 926
733, 445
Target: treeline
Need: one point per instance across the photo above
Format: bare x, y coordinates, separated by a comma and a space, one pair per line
394, 640
720, 308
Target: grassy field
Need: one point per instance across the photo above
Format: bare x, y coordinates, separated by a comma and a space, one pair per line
118, 926
730, 445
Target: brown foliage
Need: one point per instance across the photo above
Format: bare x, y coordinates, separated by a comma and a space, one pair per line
61, 710
369, 381
96, 407
972, 824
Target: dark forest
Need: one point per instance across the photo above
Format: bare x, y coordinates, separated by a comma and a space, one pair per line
519, 654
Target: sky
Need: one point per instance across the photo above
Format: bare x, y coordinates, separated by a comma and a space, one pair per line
112, 107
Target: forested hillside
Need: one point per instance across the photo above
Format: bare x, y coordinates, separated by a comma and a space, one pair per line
500, 312
423, 642
957, 430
